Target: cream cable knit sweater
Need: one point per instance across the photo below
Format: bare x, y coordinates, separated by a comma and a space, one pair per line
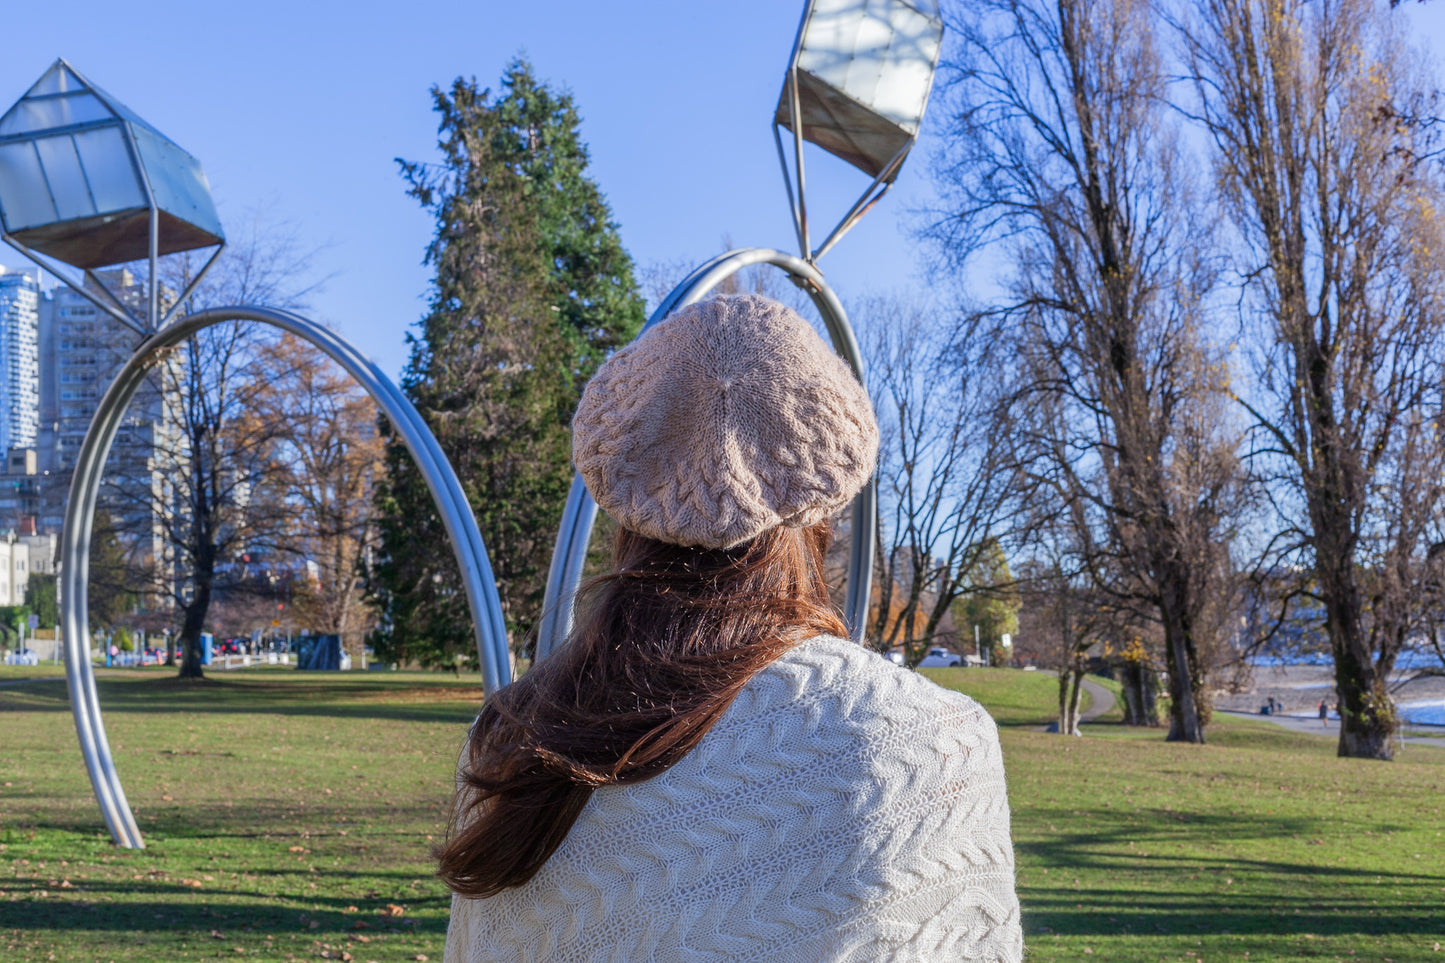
843, 809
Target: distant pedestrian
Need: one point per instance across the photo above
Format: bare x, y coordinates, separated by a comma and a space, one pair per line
1324, 713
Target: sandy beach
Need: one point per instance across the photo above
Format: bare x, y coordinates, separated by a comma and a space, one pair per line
1300, 688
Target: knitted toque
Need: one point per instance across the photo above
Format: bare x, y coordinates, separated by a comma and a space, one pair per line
722, 421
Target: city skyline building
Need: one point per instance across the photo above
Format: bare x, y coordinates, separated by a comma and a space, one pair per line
78, 352
20, 301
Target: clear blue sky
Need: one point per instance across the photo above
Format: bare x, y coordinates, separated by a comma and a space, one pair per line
300, 107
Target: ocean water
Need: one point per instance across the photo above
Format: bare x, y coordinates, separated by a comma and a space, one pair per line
1430, 713
1408, 660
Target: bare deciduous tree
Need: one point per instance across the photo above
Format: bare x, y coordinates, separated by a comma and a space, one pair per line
330, 454
1318, 114
1060, 149
217, 488
946, 497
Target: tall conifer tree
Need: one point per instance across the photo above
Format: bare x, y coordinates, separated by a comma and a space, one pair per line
533, 289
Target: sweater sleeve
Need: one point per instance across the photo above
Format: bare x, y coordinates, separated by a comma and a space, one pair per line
459, 930
988, 908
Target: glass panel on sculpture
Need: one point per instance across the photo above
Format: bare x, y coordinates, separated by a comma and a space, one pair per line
50, 112
57, 80
24, 200
177, 182
114, 181
879, 52
67, 180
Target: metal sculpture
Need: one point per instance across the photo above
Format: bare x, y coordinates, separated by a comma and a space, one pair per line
446, 491
581, 512
856, 85
85, 182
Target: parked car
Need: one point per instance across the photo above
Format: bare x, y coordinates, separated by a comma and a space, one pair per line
895, 656
940, 658
23, 657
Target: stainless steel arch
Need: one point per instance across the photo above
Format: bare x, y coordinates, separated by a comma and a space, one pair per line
581, 512
441, 480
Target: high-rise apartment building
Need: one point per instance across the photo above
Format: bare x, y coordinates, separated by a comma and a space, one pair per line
86, 349
19, 358
80, 351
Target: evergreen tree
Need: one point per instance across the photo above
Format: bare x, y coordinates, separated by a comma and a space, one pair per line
42, 596
532, 291
993, 604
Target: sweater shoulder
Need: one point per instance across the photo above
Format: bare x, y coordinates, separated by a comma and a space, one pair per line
846, 680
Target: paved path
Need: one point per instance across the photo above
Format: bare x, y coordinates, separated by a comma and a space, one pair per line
1101, 700
1310, 725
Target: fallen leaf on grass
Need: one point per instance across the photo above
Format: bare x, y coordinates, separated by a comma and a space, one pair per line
297, 849
393, 910
361, 925
216, 934
192, 883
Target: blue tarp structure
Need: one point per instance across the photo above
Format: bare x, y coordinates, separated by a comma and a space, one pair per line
318, 652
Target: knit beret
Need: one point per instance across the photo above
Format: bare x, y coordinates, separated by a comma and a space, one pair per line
722, 421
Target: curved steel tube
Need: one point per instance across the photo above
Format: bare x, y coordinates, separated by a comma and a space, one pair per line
571, 550
441, 480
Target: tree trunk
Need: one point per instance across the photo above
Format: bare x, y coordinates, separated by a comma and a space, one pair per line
1069, 693
193, 623
1367, 716
1074, 698
1185, 722
1139, 691
1367, 713
1066, 722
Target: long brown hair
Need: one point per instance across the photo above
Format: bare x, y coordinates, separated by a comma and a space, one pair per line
661, 648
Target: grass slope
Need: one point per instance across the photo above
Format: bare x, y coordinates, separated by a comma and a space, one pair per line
288, 817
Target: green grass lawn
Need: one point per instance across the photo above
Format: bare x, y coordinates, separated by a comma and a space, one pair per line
288, 816
1015, 697
1261, 845
11, 673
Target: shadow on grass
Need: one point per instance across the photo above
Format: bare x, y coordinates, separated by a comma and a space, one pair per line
1150, 828
443, 701
157, 907
332, 828
1122, 912
1151, 890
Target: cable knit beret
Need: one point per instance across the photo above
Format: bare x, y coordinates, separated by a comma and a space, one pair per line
722, 421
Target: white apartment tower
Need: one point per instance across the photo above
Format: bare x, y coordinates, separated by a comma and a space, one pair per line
19, 359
